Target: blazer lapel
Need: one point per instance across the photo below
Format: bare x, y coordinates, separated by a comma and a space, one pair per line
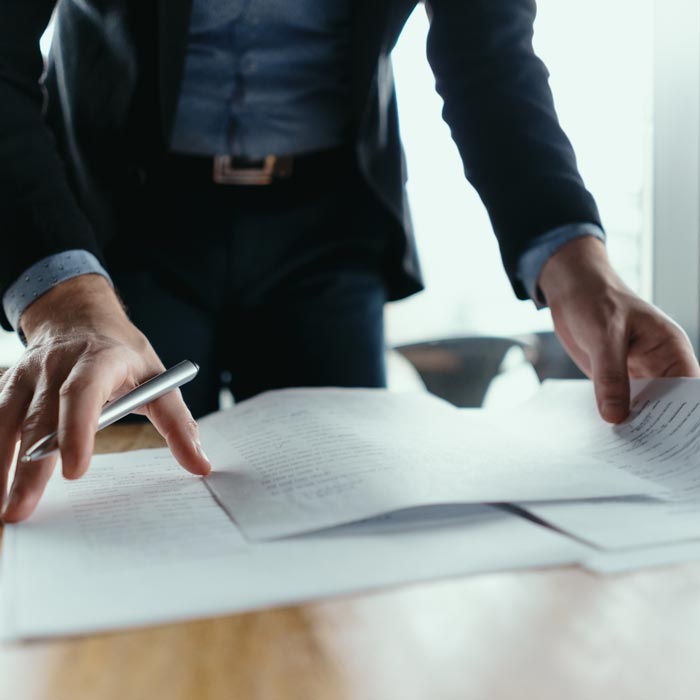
173, 22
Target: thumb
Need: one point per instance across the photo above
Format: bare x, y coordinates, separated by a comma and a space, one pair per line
611, 378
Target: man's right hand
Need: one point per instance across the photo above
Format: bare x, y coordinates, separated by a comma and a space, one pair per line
82, 352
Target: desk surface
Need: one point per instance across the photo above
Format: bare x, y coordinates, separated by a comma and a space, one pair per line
558, 634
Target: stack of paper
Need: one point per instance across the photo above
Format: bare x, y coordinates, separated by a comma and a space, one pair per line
660, 442
320, 492
140, 541
299, 460
160, 549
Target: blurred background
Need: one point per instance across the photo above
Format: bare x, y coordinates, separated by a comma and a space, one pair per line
602, 85
610, 64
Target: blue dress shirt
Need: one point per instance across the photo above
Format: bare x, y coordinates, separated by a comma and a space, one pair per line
44, 275
542, 248
265, 77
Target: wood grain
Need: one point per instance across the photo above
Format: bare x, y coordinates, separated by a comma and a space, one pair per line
551, 635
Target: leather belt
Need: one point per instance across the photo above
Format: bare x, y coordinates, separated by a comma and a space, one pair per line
233, 170
237, 171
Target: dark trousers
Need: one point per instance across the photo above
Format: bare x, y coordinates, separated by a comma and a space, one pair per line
264, 287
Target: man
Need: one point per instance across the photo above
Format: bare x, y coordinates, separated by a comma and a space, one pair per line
232, 169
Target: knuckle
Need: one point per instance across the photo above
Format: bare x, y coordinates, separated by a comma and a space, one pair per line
32, 424
9, 388
54, 360
141, 345
96, 350
73, 387
109, 353
17, 378
91, 351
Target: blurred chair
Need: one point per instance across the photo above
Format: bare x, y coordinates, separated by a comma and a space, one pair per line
547, 355
472, 370
461, 370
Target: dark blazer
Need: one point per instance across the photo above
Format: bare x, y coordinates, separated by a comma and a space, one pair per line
76, 148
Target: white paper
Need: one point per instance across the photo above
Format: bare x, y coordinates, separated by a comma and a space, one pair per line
660, 442
618, 562
298, 460
138, 541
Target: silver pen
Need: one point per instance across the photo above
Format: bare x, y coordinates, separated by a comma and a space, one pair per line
150, 390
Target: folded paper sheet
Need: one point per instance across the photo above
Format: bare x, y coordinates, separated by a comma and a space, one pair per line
660, 442
620, 561
138, 541
299, 460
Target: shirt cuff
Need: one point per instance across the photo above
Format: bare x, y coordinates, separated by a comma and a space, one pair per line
542, 248
45, 275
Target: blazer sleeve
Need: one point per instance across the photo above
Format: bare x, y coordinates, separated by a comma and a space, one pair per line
39, 215
499, 107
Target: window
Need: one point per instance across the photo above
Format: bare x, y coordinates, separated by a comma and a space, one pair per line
599, 55
676, 257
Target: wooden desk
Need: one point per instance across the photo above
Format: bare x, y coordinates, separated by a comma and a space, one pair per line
553, 635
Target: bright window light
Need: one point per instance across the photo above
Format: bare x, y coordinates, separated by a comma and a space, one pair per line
599, 55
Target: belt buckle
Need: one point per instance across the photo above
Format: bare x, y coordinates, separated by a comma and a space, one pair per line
226, 172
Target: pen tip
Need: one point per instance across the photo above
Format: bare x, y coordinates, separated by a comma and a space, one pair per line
25, 458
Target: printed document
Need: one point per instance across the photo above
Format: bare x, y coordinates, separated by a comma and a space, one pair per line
299, 460
139, 541
660, 442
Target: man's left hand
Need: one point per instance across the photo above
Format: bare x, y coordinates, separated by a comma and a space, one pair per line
608, 330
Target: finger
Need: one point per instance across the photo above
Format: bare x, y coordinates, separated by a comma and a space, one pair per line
610, 376
8, 448
31, 477
81, 398
173, 420
14, 401
28, 486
